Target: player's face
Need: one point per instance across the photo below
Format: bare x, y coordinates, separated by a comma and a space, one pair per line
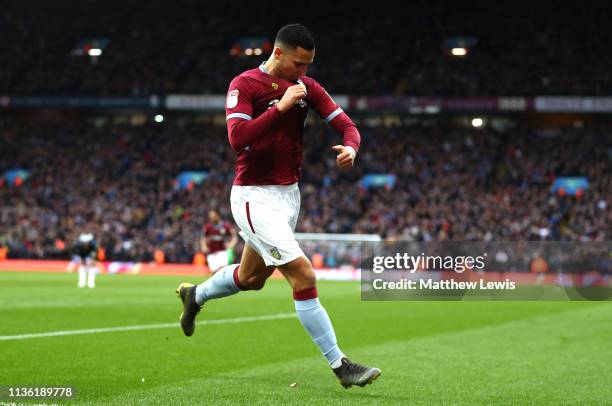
293, 63
213, 216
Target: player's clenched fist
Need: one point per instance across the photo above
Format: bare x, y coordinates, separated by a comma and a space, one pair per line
291, 96
346, 156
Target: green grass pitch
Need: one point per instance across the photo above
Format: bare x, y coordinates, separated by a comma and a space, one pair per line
429, 352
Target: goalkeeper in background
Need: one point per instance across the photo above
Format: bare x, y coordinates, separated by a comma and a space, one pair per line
85, 256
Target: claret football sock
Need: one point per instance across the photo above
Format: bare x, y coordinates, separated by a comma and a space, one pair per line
315, 320
223, 283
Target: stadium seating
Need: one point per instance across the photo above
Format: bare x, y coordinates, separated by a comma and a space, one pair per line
453, 182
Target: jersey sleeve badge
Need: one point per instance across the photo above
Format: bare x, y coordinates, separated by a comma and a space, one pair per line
232, 99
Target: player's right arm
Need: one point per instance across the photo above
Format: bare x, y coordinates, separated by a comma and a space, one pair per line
291, 97
243, 130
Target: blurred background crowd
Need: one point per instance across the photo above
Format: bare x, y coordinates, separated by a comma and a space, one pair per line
100, 172
452, 183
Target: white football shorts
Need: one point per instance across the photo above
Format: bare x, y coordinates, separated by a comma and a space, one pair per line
217, 260
267, 216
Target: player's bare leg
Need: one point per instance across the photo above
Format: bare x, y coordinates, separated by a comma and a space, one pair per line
250, 274
314, 318
253, 272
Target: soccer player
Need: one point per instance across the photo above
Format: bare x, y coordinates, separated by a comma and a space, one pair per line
213, 241
85, 257
265, 110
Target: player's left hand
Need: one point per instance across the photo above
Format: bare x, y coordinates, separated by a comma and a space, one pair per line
346, 156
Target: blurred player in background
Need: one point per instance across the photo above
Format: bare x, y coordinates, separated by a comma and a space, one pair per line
85, 257
266, 109
214, 242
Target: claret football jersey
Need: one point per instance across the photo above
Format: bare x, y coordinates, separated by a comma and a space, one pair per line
276, 157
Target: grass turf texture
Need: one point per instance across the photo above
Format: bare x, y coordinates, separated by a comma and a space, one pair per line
429, 352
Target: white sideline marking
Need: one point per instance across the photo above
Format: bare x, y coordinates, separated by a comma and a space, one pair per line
146, 327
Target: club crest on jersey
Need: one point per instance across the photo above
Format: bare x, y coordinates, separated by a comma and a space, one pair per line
275, 253
275, 86
232, 99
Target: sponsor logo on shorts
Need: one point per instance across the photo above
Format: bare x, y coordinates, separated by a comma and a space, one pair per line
275, 253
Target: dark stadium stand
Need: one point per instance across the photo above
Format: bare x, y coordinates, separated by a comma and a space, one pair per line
182, 46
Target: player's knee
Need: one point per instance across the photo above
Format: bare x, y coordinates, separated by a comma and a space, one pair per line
299, 274
258, 284
254, 282
305, 278
306, 281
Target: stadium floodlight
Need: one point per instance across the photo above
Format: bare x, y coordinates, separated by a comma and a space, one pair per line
159, 118
477, 122
459, 51
94, 52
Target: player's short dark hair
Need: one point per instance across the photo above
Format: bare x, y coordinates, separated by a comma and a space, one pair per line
295, 35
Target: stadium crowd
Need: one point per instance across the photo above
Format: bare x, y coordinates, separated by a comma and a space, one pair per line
453, 183
182, 46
